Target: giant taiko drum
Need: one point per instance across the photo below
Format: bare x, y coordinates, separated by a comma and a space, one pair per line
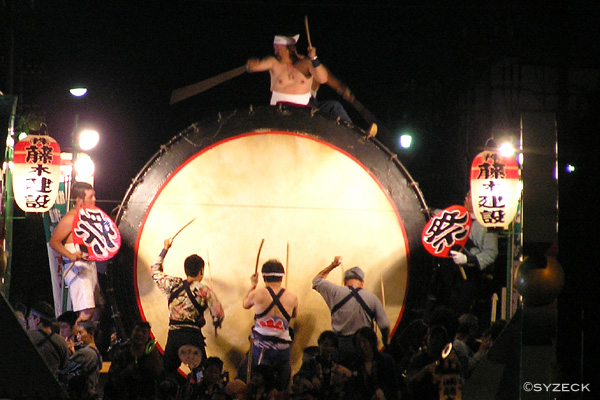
310, 187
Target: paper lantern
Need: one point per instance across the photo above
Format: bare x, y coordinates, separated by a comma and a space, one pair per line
495, 189
36, 173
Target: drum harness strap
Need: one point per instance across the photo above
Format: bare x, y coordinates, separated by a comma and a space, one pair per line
286, 315
199, 322
354, 293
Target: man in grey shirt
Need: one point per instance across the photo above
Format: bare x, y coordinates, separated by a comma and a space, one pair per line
352, 308
52, 347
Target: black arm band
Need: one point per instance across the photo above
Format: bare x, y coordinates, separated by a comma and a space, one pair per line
472, 261
315, 62
163, 253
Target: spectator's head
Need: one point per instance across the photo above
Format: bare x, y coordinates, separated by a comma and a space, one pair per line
468, 202
413, 336
168, 389
41, 315
66, 323
468, 326
21, 314
272, 271
328, 342
86, 331
365, 342
446, 317
262, 376
213, 370
140, 333
309, 353
190, 355
437, 339
236, 389
194, 266
301, 385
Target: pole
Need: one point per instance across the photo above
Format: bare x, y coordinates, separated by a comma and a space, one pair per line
68, 185
75, 144
9, 107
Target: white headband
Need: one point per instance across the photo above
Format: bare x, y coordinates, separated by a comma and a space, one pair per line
286, 40
273, 274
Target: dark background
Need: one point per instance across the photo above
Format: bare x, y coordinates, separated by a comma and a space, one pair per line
413, 64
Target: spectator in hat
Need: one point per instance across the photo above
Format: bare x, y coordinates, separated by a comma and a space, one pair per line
352, 308
52, 347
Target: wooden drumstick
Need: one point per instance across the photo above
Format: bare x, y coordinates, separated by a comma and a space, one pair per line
68, 268
182, 228
462, 270
72, 264
210, 282
287, 264
249, 365
382, 291
307, 31
258, 256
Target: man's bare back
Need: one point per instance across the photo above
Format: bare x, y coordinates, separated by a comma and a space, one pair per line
262, 299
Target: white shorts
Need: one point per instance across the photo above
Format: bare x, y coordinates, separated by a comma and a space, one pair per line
301, 99
82, 280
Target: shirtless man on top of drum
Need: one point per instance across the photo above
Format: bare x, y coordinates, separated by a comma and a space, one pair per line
291, 74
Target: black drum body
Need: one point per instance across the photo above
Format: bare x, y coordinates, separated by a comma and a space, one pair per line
310, 187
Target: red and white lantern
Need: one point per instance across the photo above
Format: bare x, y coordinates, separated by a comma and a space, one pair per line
495, 189
36, 173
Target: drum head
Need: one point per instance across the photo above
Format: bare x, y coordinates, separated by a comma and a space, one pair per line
311, 188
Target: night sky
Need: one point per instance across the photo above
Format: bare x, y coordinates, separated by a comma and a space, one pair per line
409, 64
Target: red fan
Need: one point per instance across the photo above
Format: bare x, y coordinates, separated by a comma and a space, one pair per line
447, 230
95, 230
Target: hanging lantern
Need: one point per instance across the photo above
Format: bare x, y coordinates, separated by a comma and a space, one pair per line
495, 189
36, 173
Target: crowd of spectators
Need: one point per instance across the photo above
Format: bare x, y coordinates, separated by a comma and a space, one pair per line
413, 366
